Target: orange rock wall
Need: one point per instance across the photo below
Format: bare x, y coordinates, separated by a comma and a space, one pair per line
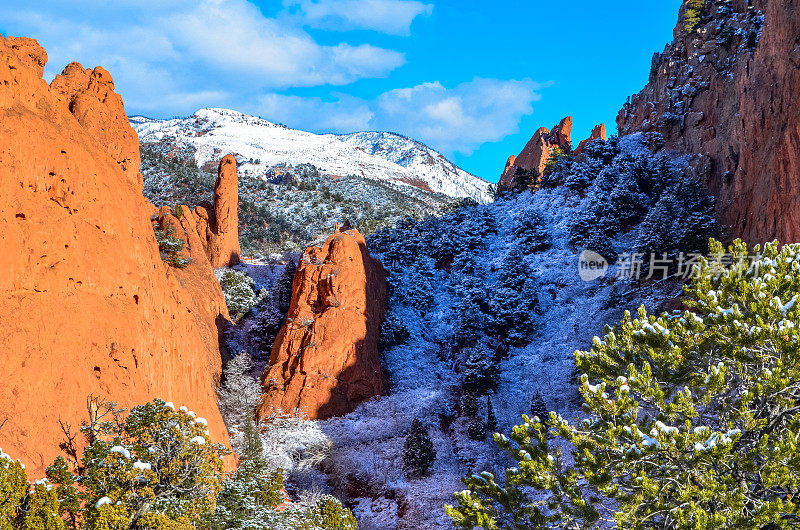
87, 306
598, 133
736, 106
325, 359
539, 149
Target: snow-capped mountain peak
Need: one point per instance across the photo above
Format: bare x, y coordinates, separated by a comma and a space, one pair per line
258, 144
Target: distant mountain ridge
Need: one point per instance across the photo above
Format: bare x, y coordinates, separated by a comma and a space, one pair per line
258, 145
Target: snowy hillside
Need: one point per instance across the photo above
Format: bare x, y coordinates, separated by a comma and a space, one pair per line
428, 165
259, 145
488, 306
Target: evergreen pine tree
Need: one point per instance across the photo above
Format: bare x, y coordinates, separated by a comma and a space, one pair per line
530, 232
470, 404
491, 419
693, 15
42, 510
481, 372
514, 302
418, 451
476, 429
525, 179
253, 448
539, 407
154, 468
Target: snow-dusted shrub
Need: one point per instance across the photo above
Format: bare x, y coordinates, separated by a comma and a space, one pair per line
513, 303
152, 468
417, 290
239, 294
393, 331
682, 220
558, 163
238, 396
418, 451
476, 428
531, 231
582, 172
591, 229
639, 185
292, 442
267, 325
470, 322
24, 505
481, 372
254, 498
170, 246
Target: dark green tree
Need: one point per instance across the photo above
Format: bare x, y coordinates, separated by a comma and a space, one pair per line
476, 428
418, 451
491, 419
539, 407
481, 372
530, 232
693, 15
150, 468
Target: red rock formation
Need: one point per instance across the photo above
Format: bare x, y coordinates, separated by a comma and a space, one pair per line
89, 95
217, 224
537, 152
730, 97
225, 241
325, 359
87, 305
598, 133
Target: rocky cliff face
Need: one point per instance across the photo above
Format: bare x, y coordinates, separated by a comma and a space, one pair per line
726, 90
87, 304
534, 156
325, 360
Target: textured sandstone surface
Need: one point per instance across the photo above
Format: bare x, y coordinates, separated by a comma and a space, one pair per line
223, 238
598, 133
728, 93
87, 305
325, 360
537, 152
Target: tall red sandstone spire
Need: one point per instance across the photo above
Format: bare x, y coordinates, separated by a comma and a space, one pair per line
537, 152
224, 243
325, 359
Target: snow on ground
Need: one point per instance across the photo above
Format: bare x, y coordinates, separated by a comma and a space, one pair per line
260, 144
368, 442
365, 464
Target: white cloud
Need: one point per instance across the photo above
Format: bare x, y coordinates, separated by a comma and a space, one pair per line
185, 54
234, 36
387, 16
458, 119
343, 114
212, 47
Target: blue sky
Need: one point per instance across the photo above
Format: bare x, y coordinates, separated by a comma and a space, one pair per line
471, 78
